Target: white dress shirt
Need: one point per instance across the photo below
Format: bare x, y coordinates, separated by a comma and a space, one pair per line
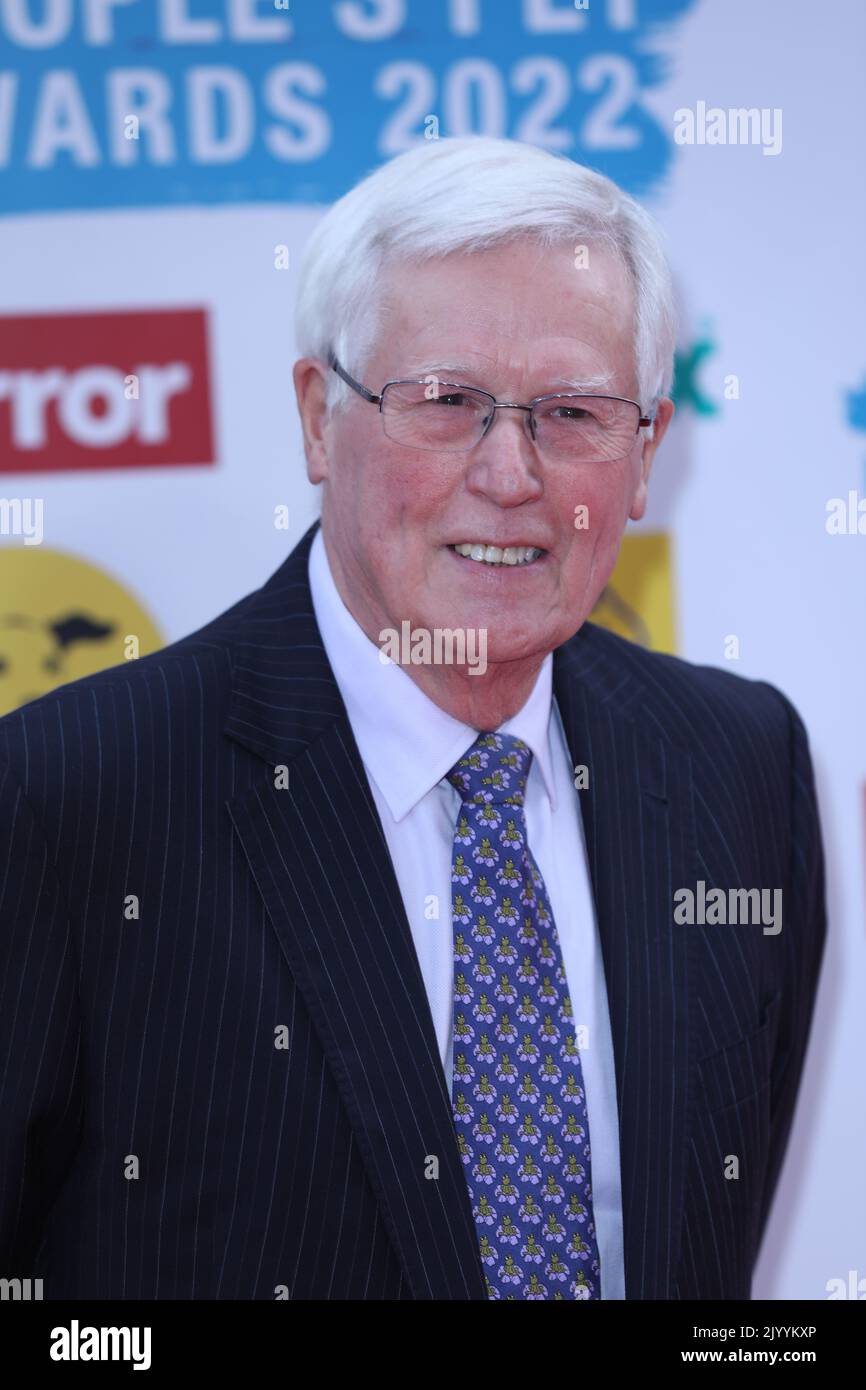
408, 745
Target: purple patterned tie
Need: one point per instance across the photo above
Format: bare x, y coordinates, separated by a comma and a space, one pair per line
517, 1084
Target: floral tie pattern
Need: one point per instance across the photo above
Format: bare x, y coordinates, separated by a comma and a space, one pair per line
517, 1083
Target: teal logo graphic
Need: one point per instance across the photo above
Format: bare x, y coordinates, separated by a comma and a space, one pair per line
687, 393
855, 409
855, 403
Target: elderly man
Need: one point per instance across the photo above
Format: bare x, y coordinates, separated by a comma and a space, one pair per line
343, 950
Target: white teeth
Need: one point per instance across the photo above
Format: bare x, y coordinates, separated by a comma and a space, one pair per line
494, 555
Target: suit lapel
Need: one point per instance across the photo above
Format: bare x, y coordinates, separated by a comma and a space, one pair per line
321, 863
639, 831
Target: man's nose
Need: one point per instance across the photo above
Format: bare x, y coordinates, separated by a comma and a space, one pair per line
505, 462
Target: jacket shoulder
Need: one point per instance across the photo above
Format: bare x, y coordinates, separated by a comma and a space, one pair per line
688, 702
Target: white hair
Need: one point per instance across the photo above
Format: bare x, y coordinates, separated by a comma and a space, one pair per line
468, 194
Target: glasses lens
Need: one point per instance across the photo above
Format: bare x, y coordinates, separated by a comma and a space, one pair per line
434, 415
585, 428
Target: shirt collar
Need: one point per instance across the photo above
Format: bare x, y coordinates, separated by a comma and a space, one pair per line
386, 708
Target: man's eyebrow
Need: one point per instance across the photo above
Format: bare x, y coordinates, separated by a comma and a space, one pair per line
463, 373
592, 383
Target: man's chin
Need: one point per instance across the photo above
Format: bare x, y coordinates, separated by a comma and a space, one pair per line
509, 647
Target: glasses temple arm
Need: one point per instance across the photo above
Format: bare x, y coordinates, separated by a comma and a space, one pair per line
350, 381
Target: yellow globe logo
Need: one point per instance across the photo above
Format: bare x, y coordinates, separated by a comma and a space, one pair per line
62, 618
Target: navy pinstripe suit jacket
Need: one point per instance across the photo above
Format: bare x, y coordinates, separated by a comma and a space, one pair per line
158, 1143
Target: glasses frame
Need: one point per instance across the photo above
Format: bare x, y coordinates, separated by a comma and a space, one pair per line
377, 399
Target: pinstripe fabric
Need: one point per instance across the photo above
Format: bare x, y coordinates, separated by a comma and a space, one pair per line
142, 1040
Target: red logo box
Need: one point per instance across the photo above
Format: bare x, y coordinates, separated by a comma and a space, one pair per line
104, 390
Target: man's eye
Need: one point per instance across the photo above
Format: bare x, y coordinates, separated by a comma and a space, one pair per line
572, 412
455, 398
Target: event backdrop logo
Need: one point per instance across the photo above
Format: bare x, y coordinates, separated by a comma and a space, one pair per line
104, 390
687, 392
637, 602
140, 103
855, 407
62, 619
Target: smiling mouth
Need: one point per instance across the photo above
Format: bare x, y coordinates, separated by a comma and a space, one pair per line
509, 555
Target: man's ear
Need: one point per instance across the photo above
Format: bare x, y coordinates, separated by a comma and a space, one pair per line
310, 378
663, 416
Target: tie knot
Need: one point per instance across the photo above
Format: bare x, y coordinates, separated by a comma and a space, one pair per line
493, 771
